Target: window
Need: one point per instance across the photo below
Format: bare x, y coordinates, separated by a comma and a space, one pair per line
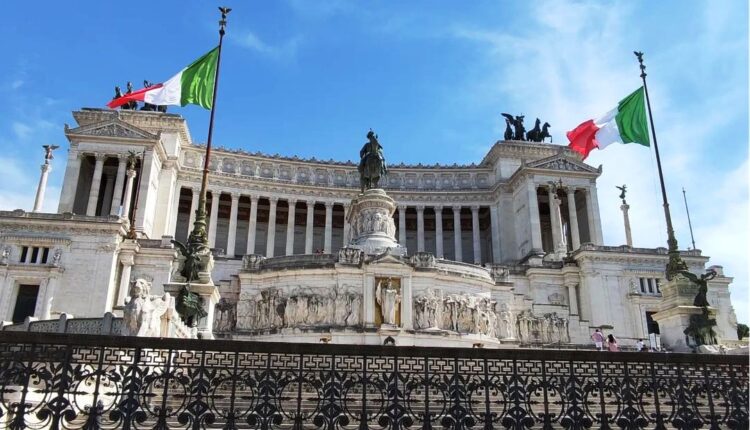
34, 254
650, 286
25, 302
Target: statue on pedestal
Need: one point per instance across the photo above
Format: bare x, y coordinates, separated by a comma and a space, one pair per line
388, 297
701, 326
372, 163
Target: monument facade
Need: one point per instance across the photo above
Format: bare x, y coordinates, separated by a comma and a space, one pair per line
502, 253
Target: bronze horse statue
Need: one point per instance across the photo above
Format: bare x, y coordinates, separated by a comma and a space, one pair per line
539, 132
372, 163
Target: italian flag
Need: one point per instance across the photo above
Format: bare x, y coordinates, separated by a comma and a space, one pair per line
192, 85
624, 124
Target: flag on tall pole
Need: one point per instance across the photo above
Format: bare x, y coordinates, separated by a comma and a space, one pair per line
192, 85
626, 123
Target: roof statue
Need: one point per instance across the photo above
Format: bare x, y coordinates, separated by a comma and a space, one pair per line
539, 132
623, 189
518, 131
48, 152
372, 162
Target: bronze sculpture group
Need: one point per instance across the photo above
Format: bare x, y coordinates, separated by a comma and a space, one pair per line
133, 105
515, 130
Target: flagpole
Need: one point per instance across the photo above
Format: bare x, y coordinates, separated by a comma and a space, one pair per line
690, 224
199, 226
676, 264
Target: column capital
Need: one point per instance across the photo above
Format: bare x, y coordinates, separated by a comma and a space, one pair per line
456, 208
420, 208
329, 205
273, 200
570, 190
401, 207
196, 191
310, 203
130, 173
437, 208
475, 208
254, 199
234, 195
291, 202
99, 156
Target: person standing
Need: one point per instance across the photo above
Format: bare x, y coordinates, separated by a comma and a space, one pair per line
612, 344
640, 346
598, 338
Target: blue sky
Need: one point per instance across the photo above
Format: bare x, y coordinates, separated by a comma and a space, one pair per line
308, 78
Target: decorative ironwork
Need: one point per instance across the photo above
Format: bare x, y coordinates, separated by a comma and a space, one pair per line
101, 382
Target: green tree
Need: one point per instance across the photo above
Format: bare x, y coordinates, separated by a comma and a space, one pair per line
743, 331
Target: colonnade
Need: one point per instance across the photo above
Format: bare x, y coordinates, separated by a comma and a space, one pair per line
564, 212
284, 241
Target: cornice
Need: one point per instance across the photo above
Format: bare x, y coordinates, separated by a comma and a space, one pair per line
20, 222
149, 121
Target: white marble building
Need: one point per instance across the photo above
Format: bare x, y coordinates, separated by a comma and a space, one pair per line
497, 254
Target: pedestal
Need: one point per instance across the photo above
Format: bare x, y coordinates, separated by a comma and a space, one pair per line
675, 311
372, 228
209, 293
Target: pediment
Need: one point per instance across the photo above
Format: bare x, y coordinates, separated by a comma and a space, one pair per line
560, 162
115, 128
386, 258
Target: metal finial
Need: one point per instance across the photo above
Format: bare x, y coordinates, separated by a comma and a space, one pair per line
223, 21
639, 54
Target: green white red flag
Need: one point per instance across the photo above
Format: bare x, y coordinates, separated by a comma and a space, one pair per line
626, 123
192, 85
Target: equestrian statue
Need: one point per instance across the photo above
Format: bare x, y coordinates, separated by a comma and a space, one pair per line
371, 163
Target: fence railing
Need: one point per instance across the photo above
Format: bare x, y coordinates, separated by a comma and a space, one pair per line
62, 381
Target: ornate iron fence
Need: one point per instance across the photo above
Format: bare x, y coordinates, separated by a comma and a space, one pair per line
62, 381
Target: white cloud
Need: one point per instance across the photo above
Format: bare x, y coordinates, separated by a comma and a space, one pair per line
284, 51
21, 130
572, 62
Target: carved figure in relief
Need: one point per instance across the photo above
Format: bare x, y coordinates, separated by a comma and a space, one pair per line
388, 298
56, 257
142, 313
5, 255
225, 315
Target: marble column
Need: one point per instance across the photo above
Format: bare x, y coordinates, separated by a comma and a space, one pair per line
573, 217
572, 299
252, 225
49, 297
439, 232
119, 181
347, 227
457, 233
495, 232
174, 211
193, 208
592, 210
420, 228
402, 225
309, 224
96, 182
42, 187
271, 236
475, 234
127, 262
213, 218
290, 226
554, 216
232, 235
329, 228
596, 218
535, 224
70, 181
128, 194
628, 237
